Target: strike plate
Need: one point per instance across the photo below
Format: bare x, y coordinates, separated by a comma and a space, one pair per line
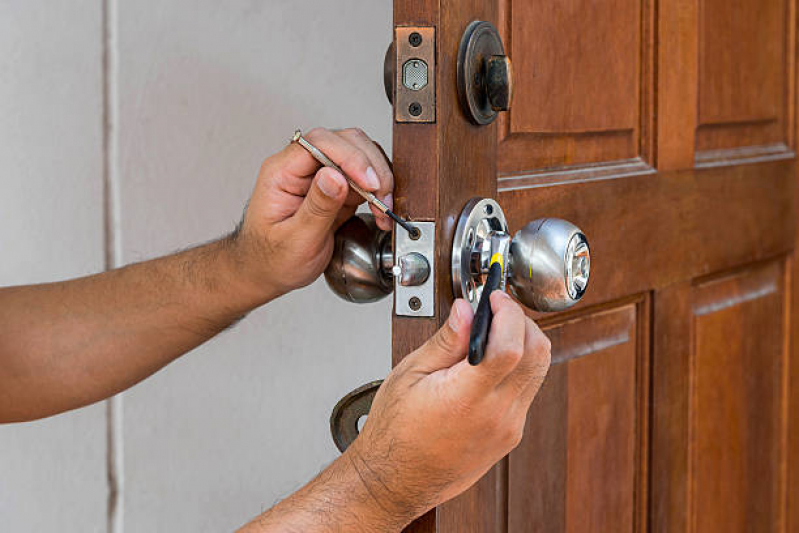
416, 300
415, 74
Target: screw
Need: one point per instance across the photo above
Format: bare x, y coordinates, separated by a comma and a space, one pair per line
415, 303
415, 109
415, 39
414, 234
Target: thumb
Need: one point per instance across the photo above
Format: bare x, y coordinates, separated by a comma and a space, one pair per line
321, 205
449, 344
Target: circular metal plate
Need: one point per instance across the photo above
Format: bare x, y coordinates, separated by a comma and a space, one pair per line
478, 219
480, 42
348, 411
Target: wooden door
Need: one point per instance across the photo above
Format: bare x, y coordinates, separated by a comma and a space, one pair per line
666, 131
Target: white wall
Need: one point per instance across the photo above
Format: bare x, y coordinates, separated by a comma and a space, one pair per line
202, 91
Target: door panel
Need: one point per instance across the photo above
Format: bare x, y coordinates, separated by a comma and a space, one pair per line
741, 95
586, 110
578, 468
666, 131
737, 365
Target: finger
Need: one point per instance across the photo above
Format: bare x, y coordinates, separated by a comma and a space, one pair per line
379, 162
319, 210
350, 158
448, 345
505, 346
532, 368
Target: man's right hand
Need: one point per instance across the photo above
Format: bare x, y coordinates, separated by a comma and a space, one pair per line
437, 423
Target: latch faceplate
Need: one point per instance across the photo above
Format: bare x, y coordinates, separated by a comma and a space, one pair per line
412, 299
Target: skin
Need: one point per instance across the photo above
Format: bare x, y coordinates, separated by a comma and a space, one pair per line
65, 345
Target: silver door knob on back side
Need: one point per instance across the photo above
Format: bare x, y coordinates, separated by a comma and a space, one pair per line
550, 264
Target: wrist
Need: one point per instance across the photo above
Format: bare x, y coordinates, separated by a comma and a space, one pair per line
383, 481
369, 498
247, 266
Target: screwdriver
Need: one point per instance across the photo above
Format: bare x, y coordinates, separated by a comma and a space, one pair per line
369, 197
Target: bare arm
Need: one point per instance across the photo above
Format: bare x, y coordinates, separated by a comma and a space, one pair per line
65, 345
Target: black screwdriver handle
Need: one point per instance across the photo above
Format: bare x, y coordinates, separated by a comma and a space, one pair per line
483, 316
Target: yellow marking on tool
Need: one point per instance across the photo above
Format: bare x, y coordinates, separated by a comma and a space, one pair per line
497, 258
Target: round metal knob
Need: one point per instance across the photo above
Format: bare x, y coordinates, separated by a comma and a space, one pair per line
550, 264
360, 268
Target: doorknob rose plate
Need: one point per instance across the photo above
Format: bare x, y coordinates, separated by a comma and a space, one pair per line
484, 73
471, 247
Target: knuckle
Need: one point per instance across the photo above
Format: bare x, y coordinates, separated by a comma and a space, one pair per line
355, 159
511, 355
315, 133
356, 132
442, 341
314, 208
516, 435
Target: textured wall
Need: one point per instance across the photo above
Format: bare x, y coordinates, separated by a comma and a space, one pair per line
200, 93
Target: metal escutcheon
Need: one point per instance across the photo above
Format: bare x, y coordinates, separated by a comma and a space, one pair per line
348, 411
484, 75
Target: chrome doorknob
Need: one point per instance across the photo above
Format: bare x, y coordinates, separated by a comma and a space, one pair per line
360, 268
546, 265
549, 264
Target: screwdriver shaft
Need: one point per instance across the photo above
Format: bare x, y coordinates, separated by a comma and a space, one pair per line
366, 195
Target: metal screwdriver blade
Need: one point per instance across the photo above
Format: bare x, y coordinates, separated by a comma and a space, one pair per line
366, 195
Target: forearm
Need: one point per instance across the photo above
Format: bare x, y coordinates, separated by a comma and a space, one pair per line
337, 500
65, 345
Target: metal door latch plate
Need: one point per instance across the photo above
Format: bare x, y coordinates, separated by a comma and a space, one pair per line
415, 74
415, 300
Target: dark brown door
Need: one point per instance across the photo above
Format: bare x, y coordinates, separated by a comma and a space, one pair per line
665, 130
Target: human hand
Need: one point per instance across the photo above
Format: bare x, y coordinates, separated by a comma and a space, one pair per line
438, 424
286, 238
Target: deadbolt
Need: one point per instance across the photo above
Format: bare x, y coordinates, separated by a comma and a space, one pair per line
484, 74
548, 260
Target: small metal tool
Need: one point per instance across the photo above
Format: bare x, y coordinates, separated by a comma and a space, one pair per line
369, 197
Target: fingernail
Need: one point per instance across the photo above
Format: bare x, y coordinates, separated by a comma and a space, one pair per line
329, 184
389, 201
454, 321
371, 179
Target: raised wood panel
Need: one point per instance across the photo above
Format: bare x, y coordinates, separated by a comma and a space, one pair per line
578, 83
718, 397
648, 232
581, 462
737, 392
743, 73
